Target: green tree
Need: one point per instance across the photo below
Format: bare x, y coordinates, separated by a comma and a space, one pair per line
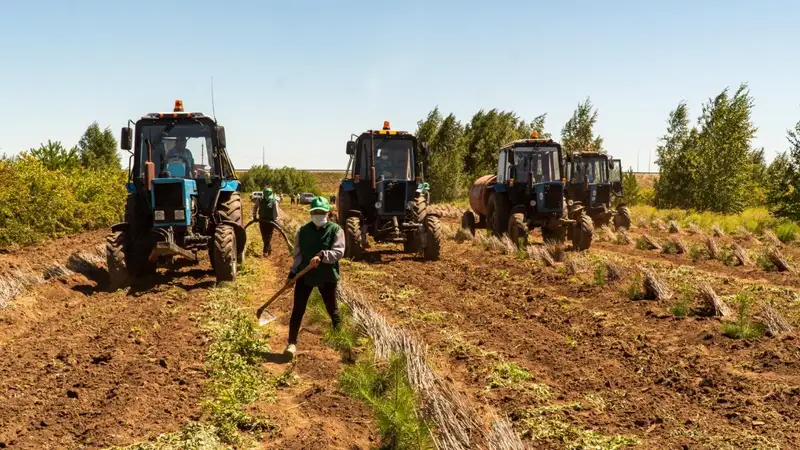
676, 160
484, 135
630, 188
783, 175
54, 156
578, 132
537, 125
445, 167
98, 148
284, 180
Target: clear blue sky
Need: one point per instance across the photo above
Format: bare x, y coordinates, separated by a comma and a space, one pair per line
298, 77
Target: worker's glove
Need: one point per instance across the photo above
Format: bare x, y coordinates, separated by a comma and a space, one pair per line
292, 275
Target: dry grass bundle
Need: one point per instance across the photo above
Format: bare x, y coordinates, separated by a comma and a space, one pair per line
693, 229
509, 245
457, 424
746, 234
576, 263
717, 231
462, 235
491, 243
715, 305
641, 222
773, 240
780, 262
623, 238
659, 225
680, 246
674, 228
647, 242
56, 270
774, 322
541, 255
15, 282
88, 261
713, 248
605, 233
613, 271
741, 254
654, 287
556, 250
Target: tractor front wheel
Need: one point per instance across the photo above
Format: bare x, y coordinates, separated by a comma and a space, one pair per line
226, 264
433, 238
499, 210
352, 232
583, 233
468, 221
518, 230
118, 274
622, 220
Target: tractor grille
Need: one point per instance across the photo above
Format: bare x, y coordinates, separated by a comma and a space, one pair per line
553, 196
168, 197
603, 194
394, 198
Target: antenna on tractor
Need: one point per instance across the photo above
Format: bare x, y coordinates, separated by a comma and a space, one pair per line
263, 156
213, 109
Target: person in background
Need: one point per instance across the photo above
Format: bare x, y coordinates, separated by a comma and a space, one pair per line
291, 199
320, 244
266, 211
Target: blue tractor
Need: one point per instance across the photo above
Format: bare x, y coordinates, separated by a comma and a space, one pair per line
175, 207
594, 180
528, 192
384, 194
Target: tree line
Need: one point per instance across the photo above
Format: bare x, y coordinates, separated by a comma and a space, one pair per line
283, 180
710, 166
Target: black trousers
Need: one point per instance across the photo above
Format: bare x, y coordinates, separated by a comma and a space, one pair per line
302, 292
266, 235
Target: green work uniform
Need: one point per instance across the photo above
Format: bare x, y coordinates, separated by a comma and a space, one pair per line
268, 209
311, 241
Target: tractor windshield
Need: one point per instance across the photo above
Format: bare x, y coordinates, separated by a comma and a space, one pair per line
392, 158
595, 170
180, 150
542, 161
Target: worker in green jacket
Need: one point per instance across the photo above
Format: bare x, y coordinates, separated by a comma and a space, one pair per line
267, 210
319, 244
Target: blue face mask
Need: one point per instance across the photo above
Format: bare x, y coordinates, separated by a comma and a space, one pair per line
319, 219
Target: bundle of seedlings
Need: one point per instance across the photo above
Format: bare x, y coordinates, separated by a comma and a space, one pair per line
540, 255
741, 255
774, 322
717, 231
491, 243
605, 233
509, 246
745, 234
641, 222
773, 240
462, 235
654, 287
646, 242
674, 228
556, 250
693, 229
457, 424
88, 261
576, 263
780, 262
713, 249
714, 306
56, 270
659, 224
623, 238
15, 282
613, 271
680, 246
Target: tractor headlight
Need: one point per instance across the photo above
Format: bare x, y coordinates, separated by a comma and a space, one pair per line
378, 205
159, 215
533, 202
180, 214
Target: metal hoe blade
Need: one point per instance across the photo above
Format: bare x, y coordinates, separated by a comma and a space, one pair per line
266, 317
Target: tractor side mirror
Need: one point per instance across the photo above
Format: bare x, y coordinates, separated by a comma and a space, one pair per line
611, 165
424, 149
126, 138
221, 141
351, 148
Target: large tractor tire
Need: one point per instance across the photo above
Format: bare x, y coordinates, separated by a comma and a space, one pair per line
231, 210
226, 264
518, 229
583, 233
499, 210
622, 220
468, 221
433, 238
420, 209
116, 260
352, 232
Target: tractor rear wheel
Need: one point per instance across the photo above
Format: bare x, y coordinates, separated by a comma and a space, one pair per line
352, 232
225, 259
622, 220
499, 210
583, 233
420, 209
468, 221
433, 238
518, 230
118, 274
231, 210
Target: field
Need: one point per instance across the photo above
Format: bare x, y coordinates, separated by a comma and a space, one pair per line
617, 347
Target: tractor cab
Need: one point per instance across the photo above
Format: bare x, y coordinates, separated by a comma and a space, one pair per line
383, 189
594, 180
182, 193
529, 170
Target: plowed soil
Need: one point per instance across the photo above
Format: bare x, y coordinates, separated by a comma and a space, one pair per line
670, 382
